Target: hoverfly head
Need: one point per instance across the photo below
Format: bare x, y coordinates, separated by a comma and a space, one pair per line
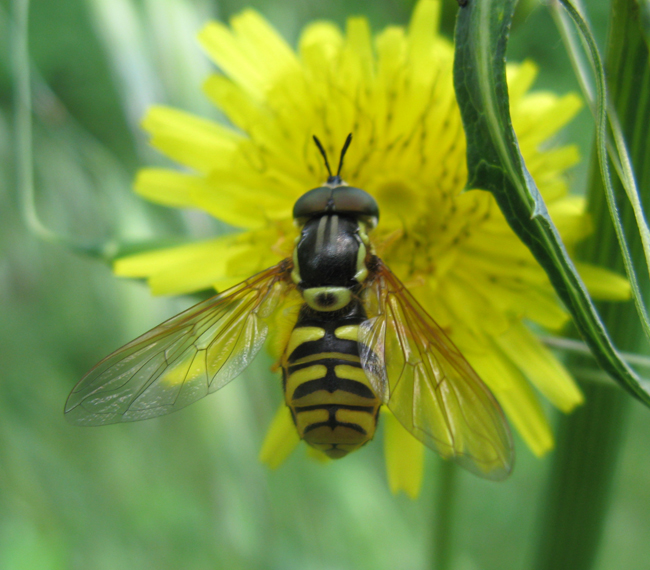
336, 196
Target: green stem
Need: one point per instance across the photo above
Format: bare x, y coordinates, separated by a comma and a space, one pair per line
444, 516
22, 94
582, 475
23, 118
584, 465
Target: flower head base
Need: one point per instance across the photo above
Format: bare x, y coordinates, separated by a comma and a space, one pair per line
452, 248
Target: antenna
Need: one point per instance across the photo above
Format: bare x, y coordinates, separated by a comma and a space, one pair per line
334, 179
343, 151
322, 151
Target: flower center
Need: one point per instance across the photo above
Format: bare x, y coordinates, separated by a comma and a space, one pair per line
434, 228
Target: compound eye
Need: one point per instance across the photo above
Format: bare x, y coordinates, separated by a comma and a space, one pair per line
355, 201
339, 199
312, 203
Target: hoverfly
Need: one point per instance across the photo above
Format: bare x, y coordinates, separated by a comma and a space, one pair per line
360, 341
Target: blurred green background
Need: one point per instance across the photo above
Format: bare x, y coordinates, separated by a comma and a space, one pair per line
187, 491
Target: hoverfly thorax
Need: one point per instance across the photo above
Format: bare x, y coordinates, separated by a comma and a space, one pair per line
332, 248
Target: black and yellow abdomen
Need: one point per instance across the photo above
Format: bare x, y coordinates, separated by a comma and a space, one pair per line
333, 405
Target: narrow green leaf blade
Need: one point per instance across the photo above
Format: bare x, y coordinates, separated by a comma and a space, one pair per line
644, 13
495, 164
604, 111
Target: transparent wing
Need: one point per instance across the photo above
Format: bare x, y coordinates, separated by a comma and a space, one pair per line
427, 383
183, 359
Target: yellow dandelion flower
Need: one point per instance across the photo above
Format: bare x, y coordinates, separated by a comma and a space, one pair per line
454, 250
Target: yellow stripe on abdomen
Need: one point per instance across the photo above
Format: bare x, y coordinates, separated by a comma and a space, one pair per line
332, 402
300, 335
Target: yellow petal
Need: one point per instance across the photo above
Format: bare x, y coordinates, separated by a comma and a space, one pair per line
359, 42
503, 243
264, 44
183, 269
249, 259
316, 454
514, 290
435, 303
221, 45
391, 51
404, 457
539, 305
520, 78
548, 164
399, 201
319, 44
570, 218
284, 321
253, 54
516, 397
151, 262
421, 33
270, 153
192, 141
540, 366
237, 199
167, 187
476, 304
540, 115
552, 188
241, 109
499, 268
603, 284
281, 439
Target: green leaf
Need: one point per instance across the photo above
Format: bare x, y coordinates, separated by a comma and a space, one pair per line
582, 477
644, 9
604, 112
495, 164
22, 78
